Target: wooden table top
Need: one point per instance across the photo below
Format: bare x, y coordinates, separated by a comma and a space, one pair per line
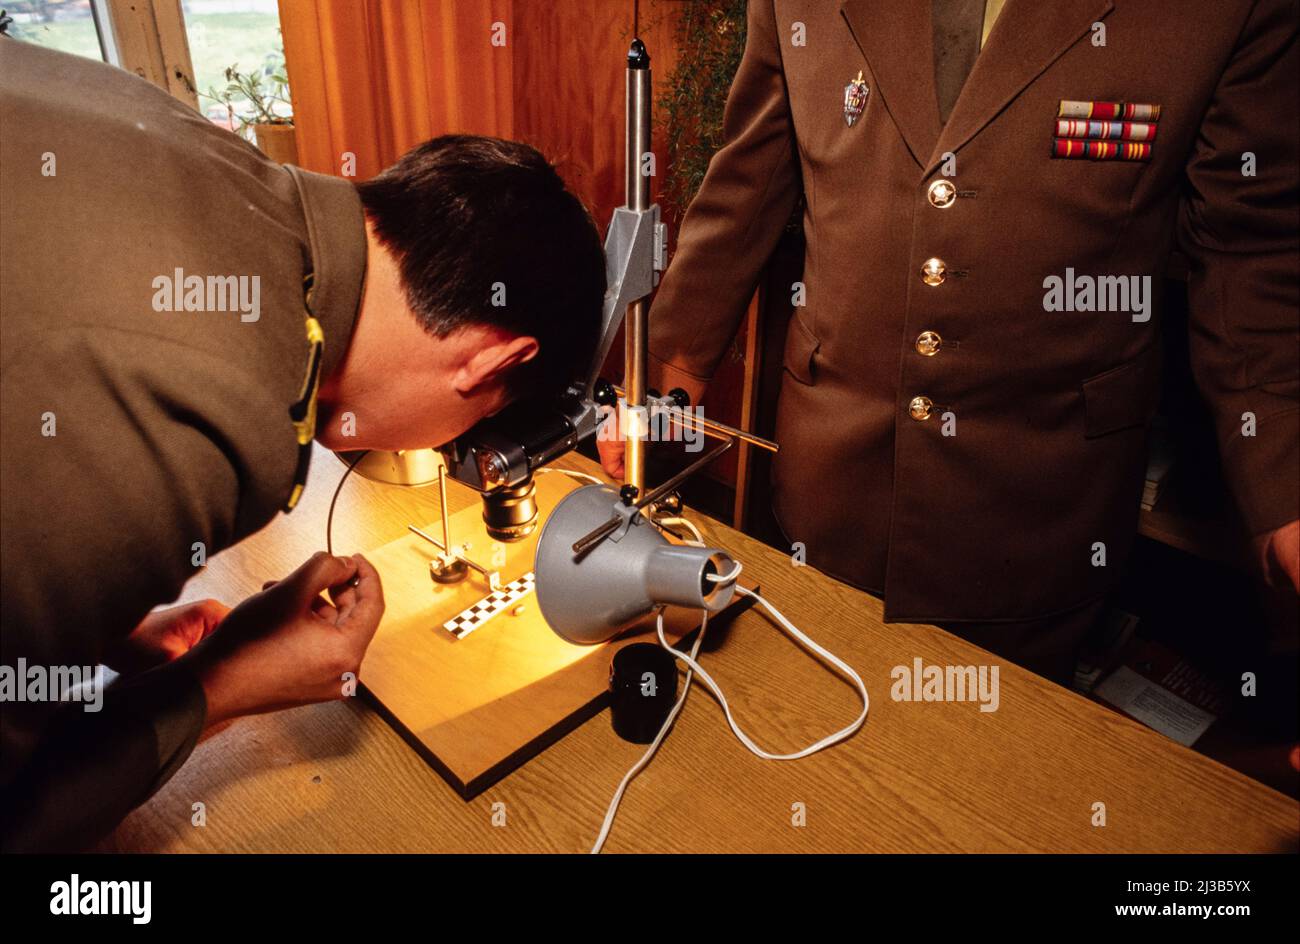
918, 777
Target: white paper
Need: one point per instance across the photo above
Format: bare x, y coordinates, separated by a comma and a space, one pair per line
1156, 707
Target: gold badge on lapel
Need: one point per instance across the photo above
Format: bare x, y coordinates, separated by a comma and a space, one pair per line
855, 99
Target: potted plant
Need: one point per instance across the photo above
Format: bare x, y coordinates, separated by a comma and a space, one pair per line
710, 39
260, 101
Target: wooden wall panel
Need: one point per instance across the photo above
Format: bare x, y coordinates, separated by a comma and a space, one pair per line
569, 87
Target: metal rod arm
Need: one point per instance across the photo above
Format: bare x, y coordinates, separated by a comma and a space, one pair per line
590, 540
713, 427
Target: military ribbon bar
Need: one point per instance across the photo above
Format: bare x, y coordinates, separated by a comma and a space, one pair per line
1123, 130
1098, 150
1128, 111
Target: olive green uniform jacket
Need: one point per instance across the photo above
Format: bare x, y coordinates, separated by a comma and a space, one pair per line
138, 440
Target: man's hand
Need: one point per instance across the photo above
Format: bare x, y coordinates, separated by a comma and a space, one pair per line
288, 645
609, 443
1284, 552
611, 454
165, 635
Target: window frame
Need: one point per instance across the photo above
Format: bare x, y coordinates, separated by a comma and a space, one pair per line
148, 37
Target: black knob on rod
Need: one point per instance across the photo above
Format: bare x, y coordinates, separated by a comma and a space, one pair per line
637, 57
603, 392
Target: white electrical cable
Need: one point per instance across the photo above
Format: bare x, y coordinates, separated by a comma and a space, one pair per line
725, 578
574, 474
612, 810
699, 538
807, 643
694, 668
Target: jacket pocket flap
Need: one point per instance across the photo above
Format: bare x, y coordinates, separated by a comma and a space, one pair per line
1122, 397
800, 346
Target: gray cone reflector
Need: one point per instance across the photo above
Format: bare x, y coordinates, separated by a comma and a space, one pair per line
592, 599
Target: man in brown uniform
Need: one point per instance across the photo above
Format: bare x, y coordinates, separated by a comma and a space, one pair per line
968, 408
178, 318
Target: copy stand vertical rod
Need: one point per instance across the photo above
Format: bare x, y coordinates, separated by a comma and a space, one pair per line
442, 501
636, 333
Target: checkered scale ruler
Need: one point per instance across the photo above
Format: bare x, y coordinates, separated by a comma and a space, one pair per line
471, 618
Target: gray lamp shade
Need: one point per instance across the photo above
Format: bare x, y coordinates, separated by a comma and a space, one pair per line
591, 599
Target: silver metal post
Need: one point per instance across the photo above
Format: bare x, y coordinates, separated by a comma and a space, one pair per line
636, 332
442, 501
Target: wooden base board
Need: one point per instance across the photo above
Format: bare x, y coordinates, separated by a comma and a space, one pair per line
477, 707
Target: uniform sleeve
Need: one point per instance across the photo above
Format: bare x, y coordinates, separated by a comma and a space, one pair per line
1240, 233
108, 483
91, 768
733, 223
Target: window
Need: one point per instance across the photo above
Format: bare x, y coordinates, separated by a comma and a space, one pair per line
67, 25
224, 57
243, 36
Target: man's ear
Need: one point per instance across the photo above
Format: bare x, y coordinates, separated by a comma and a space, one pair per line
491, 362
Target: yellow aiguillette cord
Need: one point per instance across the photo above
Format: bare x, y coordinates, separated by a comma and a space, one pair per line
303, 412
991, 10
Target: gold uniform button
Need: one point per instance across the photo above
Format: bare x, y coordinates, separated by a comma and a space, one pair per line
928, 343
942, 194
934, 272
920, 408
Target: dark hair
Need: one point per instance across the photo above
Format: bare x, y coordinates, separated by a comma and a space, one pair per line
463, 213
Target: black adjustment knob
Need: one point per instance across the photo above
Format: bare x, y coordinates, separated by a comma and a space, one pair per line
603, 392
637, 57
628, 494
653, 394
680, 397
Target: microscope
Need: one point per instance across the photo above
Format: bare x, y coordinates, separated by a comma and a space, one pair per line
498, 456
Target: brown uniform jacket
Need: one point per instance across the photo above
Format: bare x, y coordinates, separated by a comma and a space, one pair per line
171, 428
999, 521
